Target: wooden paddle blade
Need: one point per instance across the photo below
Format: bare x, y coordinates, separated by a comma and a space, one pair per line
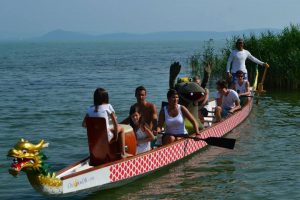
220, 142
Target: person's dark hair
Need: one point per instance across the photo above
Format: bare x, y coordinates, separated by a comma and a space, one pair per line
132, 110
171, 93
240, 40
140, 88
240, 72
222, 84
100, 97
196, 78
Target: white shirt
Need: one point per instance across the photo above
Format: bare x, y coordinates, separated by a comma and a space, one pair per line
238, 59
175, 125
104, 111
240, 88
140, 135
228, 102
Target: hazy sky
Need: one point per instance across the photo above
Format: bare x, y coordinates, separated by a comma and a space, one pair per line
36, 17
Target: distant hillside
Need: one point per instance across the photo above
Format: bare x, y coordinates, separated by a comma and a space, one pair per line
61, 35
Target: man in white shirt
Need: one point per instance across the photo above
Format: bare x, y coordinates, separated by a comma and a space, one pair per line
230, 101
237, 60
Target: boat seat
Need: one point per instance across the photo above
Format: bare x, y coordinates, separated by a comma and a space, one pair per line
101, 151
209, 119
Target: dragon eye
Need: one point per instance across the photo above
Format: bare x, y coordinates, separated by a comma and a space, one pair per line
24, 151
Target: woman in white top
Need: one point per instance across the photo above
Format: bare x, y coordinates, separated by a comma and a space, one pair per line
237, 61
242, 87
172, 115
102, 108
142, 130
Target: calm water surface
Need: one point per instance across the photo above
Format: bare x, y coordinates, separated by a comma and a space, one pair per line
46, 87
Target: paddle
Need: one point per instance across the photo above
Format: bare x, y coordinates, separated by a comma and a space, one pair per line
261, 84
260, 87
246, 96
213, 141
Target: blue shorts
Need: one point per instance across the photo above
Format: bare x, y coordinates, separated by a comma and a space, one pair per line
225, 112
234, 78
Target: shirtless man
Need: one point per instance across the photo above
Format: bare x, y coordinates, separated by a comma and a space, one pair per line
148, 110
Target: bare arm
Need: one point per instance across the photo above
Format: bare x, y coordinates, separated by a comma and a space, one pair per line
150, 136
205, 100
115, 123
247, 93
219, 99
154, 117
190, 117
234, 87
83, 124
237, 106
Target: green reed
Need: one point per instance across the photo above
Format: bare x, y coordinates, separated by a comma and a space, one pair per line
205, 61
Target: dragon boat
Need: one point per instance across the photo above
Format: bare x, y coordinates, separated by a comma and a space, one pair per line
94, 172
104, 168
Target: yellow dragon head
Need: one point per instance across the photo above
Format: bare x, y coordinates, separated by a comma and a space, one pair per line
27, 157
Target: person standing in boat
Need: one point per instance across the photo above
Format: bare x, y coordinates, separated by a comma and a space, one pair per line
242, 87
143, 133
229, 98
102, 108
172, 115
148, 110
237, 61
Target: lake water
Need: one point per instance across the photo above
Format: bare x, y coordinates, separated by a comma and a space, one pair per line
45, 89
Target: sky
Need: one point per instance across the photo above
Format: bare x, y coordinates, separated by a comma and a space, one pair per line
28, 18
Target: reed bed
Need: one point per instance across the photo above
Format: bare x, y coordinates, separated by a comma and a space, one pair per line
280, 50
